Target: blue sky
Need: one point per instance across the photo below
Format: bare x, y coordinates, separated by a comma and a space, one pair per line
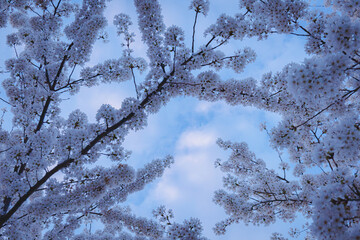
187, 128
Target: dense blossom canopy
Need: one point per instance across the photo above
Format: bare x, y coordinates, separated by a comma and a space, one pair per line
50, 184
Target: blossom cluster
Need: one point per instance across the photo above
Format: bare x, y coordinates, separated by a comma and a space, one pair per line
317, 100
200, 6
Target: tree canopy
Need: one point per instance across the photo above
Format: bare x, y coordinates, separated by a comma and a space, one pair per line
50, 181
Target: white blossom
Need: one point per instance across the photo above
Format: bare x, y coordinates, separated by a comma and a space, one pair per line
200, 6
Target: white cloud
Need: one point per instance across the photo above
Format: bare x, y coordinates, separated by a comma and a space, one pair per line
166, 192
189, 128
204, 107
196, 139
193, 172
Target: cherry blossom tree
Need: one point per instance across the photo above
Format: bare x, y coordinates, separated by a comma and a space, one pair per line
50, 181
319, 131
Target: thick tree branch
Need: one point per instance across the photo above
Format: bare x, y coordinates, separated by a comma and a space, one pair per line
4, 218
23, 198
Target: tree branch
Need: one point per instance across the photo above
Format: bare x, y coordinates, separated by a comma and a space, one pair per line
193, 34
136, 89
4, 218
62, 64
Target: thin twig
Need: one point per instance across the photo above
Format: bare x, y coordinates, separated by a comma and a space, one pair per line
208, 43
16, 53
193, 34
174, 61
136, 89
221, 59
6, 102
